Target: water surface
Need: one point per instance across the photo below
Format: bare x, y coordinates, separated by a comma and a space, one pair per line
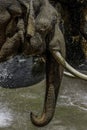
71, 110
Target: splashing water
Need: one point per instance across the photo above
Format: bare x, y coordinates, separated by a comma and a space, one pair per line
6, 116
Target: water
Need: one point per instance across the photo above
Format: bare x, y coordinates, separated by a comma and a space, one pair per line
71, 110
6, 116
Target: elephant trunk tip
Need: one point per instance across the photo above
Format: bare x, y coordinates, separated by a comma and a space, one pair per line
39, 122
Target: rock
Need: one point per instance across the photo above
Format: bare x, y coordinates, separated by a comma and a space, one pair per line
20, 71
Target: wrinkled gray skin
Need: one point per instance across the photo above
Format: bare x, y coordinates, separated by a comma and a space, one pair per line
33, 30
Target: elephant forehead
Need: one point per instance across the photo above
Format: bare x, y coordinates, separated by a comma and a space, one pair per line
42, 22
45, 19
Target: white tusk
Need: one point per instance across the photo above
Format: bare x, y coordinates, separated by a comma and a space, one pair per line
58, 57
69, 74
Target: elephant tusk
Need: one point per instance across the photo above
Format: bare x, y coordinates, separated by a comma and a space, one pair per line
58, 57
69, 74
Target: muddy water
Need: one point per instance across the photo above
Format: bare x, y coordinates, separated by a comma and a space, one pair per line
71, 110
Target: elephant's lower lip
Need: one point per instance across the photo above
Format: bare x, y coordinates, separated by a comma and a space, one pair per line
20, 71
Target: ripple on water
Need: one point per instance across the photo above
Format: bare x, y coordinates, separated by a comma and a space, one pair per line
80, 102
6, 116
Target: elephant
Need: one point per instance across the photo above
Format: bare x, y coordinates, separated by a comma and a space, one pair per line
56, 47
34, 28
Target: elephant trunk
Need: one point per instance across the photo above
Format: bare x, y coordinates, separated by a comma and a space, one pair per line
53, 80
48, 111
